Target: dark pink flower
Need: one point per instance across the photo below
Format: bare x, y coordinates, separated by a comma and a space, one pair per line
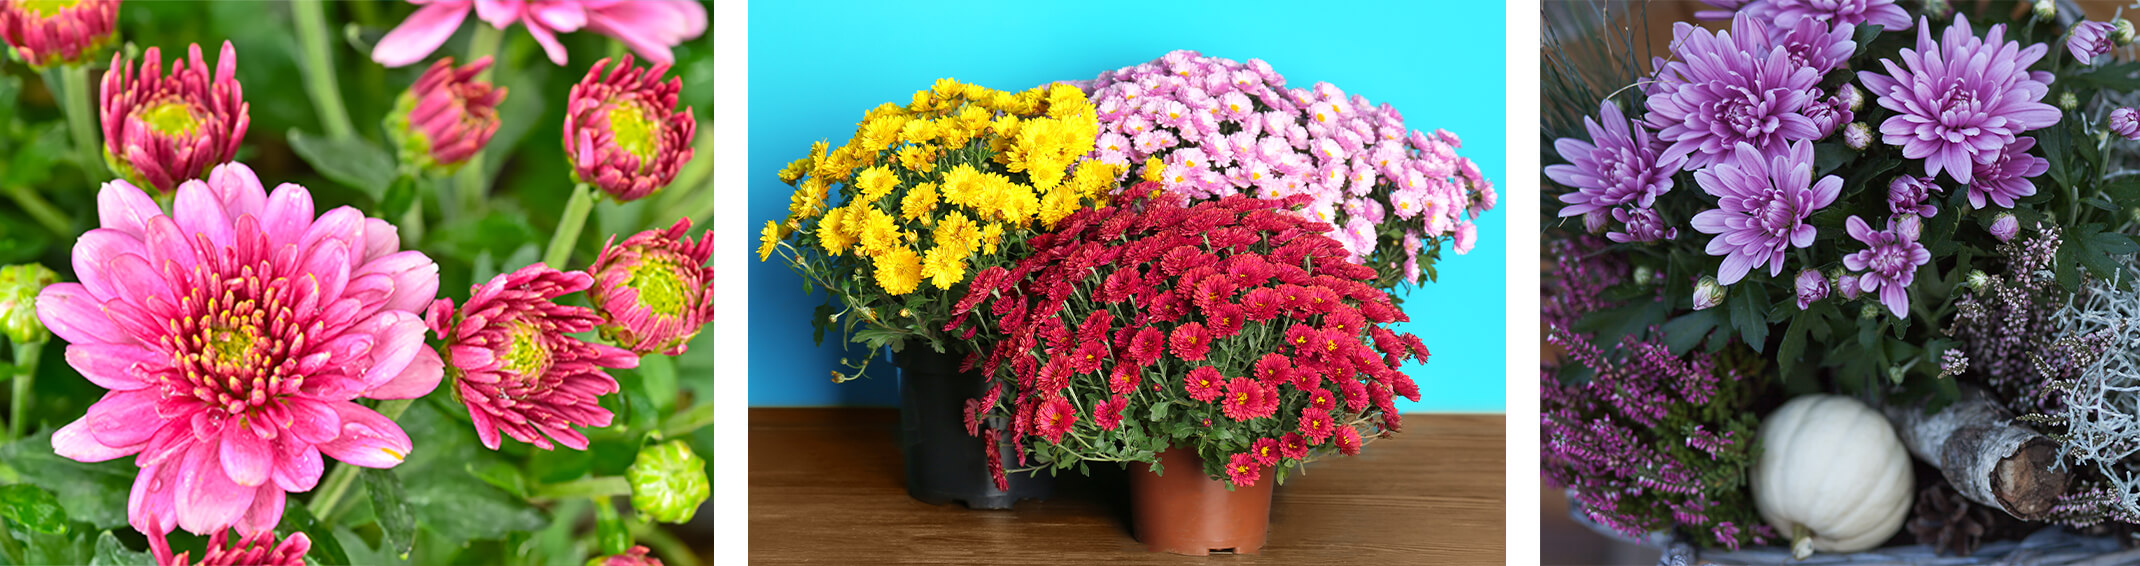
43, 34
1109, 413
654, 289
235, 365
637, 556
1054, 418
1243, 470
161, 130
1190, 341
622, 131
257, 549
1246, 399
649, 27
1348, 441
1204, 383
1293, 445
447, 116
1265, 451
1315, 423
515, 364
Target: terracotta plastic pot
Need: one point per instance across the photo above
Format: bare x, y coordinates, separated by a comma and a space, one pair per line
1186, 512
943, 463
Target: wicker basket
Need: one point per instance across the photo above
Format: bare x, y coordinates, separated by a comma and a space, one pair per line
2049, 546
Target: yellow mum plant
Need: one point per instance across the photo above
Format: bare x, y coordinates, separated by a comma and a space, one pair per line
925, 194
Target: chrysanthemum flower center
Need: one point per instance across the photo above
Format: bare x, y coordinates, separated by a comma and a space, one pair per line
1777, 216
527, 356
660, 285
1887, 259
1744, 116
230, 345
228, 342
1959, 108
634, 131
171, 117
46, 8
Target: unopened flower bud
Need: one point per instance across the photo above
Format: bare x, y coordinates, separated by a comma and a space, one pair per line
1871, 311
1644, 275
2004, 226
1895, 374
668, 482
1909, 226
2121, 31
1811, 287
2087, 42
2045, 9
162, 129
623, 133
1853, 99
2067, 101
1846, 283
1707, 293
19, 286
43, 34
446, 117
1938, 9
2125, 122
1858, 136
1977, 279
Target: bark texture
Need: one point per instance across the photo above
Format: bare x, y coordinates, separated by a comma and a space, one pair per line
1985, 455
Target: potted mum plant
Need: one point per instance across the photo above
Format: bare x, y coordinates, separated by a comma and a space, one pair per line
1217, 347
891, 224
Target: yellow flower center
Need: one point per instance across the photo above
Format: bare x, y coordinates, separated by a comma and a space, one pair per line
47, 8
527, 356
661, 287
635, 132
229, 345
171, 117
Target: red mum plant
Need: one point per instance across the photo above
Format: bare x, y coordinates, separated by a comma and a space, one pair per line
1232, 327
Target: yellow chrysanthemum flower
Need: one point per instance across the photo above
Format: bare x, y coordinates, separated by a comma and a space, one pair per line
898, 270
919, 202
876, 182
944, 267
918, 157
1154, 169
876, 231
808, 200
955, 230
770, 238
832, 233
990, 237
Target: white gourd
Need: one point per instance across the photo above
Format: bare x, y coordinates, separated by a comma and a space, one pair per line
1833, 477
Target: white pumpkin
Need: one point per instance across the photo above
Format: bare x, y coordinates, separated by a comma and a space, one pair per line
1833, 477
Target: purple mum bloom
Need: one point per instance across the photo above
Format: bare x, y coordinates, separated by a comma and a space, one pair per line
2006, 176
1641, 225
1762, 205
2005, 226
1815, 44
1962, 98
2089, 40
1828, 115
1907, 195
2125, 122
1730, 87
1618, 166
1888, 262
1811, 286
1883, 13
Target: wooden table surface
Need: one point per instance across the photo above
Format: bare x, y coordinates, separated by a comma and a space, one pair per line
827, 486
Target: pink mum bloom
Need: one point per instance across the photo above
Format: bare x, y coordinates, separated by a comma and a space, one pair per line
1243, 470
622, 132
1959, 100
1889, 261
447, 116
235, 335
1763, 203
2005, 176
654, 291
43, 34
637, 556
2125, 122
516, 367
258, 549
649, 27
161, 130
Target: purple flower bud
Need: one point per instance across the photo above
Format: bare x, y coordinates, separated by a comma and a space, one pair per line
2089, 40
1858, 136
1846, 284
1908, 195
1909, 227
1596, 221
1828, 115
1811, 287
1707, 293
1853, 99
2005, 226
2125, 122
1641, 225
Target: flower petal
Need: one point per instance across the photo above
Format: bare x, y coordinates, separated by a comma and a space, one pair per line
368, 439
72, 314
198, 211
76, 443
122, 207
421, 34
124, 418
288, 215
265, 513
208, 501
418, 379
239, 189
118, 367
297, 465
245, 455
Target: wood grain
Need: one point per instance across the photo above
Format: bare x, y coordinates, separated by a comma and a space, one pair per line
826, 486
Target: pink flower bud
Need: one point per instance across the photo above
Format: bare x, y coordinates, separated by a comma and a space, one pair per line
654, 289
161, 130
1811, 286
43, 34
2005, 226
2125, 122
622, 132
446, 117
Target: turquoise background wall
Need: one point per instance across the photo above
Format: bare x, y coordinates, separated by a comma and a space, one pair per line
815, 67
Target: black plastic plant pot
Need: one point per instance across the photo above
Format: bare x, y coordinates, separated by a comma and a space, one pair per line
944, 464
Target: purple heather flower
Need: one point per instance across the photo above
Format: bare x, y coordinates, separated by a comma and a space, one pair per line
1910, 194
1722, 89
1888, 262
1962, 98
1620, 165
1811, 287
1641, 225
1762, 205
1858, 136
2006, 176
1708, 293
2125, 122
1883, 13
2089, 40
2005, 226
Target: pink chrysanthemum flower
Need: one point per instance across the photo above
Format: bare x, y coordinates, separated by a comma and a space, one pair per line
1727, 88
515, 364
447, 116
1888, 262
1054, 418
2089, 40
2006, 175
1204, 383
637, 556
1243, 470
258, 549
43, 34
1960, 100
649, 27
235, 336
654, 290
622, 132
161, 130
1762, 206
1619, 165
2125, 122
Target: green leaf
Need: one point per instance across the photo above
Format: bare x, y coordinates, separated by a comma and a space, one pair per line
400, 196
91, 493
460, 507
557, 466
353, 162
2057, 146
507, 476
390, 505
32, 508
326, 549
1683, 333
657, 374
110, 552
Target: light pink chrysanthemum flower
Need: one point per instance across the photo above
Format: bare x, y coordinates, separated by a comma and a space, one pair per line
258, 549
161, 130
622, 131
235, 335
514, 364
43, 34
654, 289
649, 27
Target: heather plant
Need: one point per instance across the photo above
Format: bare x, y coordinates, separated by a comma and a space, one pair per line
244, 330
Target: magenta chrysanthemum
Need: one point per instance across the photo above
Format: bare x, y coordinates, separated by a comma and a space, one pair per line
515, 365
43, 34
1730, 87
1910, 194
649, 27
654, 290
1762, 205
2005, 176
161, 130
257, 549
1889, 261
622, 131
235, 335
1619, 165
1960, 100
446, 116
1814, 43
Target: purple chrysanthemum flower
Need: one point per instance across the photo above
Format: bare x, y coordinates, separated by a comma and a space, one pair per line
1811, 286
1640, 225
1815, 44
1828, 115
2125, 122
1909, 194
1729, 87
1883, 13
2005, 226
2006, 176
1962, 98
1888, 263
1762, 205
1620, 165
2089, 40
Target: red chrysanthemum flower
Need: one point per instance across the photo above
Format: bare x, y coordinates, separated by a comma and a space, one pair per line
1124, 379
1204, 383
516, 365
1315, 424
1095, 327
1262, 304
1348, 441
1087, 358
622, 131
1321, 399
44, 34
258, 549
1247, 399
654, 289
1054, 418
1266, 451
1274, 368
1109, 414
1226, 321
1293, 445
1190, 342
1243, 471
161, 130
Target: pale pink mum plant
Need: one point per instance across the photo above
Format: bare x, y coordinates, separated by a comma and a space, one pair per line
235, 335
649, 27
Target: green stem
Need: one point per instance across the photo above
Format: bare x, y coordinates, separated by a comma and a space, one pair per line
686, 421
319, 69
568, 227
412, 224
590, 487
665, 545
471, 184
41, 210
82, 121
18, 413
336, 486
